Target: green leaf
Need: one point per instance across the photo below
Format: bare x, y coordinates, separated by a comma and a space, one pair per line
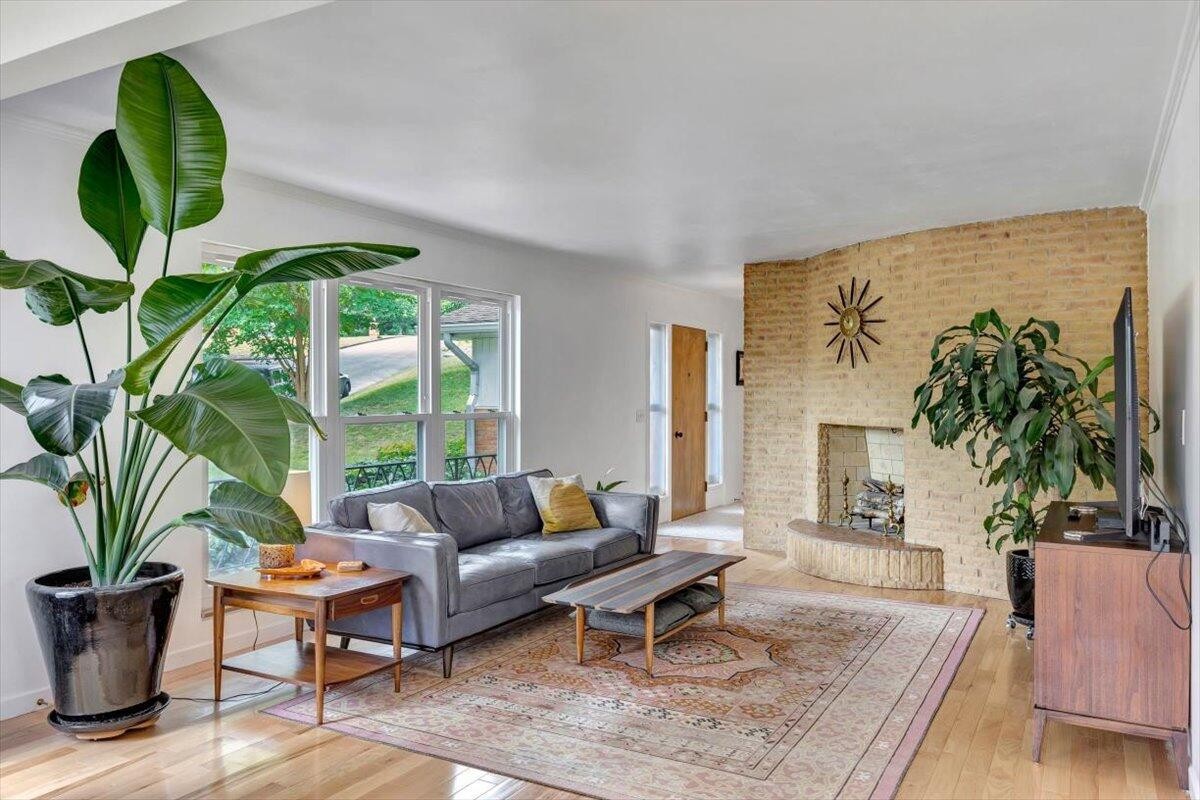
994, 318
297, 413
235, 507
1038, 426
1095, 372
979, 322
109, 201
966, 355
46, 288
229, 415
1017, 427
1064, 461
1027, 395
1050, 326
170, 308
10, 396
174, 141
44, 468
316, 262
1006, 363
64, 417
995, 394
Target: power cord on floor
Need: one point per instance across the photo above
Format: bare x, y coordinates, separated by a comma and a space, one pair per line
253, 646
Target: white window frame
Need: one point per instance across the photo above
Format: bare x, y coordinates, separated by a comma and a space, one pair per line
327, 457
714, 406
429, 417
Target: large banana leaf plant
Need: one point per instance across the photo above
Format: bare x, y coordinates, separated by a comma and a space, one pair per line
161, 167
1015, 393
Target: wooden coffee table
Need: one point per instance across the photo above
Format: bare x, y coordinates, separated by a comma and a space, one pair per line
641, 585
334, 595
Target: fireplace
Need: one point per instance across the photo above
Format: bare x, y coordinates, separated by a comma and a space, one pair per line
867, 459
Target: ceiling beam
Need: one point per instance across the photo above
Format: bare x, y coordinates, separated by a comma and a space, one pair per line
50, 41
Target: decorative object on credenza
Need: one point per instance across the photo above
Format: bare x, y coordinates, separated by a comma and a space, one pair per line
738, 378
103, 627
1014, 391
276, 556
845, 519
852, 322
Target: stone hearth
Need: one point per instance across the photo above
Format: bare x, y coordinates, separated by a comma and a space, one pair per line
868, 559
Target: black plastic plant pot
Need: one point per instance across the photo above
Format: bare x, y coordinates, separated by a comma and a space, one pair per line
104, 647
1020, 584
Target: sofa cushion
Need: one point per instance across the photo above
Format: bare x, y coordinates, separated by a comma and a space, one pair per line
552, 557
667, 614
350, 510
520, 511
607, 544
701, 597
469, 511
483, 580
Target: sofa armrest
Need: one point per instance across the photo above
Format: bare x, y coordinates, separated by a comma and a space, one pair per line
431, 559
638, 512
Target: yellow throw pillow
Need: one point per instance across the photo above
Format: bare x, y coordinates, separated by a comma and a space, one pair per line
568, 510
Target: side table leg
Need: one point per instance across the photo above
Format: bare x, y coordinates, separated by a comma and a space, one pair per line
218, 638
320, 660
580, 627
299, 629
397, 636
721, 605
1180, 752
1039, 729
650, 640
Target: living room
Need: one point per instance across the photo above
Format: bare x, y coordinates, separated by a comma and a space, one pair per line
675, 411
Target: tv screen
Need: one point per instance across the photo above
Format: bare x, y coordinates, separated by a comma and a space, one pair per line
1125, 418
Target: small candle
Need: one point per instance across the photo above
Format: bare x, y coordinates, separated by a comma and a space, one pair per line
276, 556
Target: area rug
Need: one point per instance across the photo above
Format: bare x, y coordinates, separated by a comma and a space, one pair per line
804, 694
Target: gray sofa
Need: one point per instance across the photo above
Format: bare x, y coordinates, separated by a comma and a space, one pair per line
488, 564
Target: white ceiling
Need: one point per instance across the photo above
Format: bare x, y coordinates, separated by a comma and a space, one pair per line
684, 139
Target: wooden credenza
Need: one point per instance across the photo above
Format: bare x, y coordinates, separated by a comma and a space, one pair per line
1105, 654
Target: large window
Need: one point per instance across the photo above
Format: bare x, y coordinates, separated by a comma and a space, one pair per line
658, 411
408, 379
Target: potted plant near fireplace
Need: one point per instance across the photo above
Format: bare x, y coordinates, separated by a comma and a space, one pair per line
104, 626
1032, 417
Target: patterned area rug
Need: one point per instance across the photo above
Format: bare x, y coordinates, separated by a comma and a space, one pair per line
804, 694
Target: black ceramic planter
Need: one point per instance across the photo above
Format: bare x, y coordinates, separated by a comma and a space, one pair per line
104, 647
1020, 585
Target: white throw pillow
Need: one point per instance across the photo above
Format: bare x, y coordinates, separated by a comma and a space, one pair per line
397, 517
541, 489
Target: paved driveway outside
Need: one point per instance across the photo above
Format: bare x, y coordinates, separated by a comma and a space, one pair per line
371, 362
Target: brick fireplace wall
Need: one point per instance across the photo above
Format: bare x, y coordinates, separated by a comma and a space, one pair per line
1070, 267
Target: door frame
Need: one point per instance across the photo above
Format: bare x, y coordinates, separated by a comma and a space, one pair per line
666, 496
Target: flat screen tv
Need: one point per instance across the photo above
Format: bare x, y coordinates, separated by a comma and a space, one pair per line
1125, 418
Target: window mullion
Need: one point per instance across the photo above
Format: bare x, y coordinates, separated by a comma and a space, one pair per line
434, 431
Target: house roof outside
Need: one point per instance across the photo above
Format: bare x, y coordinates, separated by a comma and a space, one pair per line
473, 318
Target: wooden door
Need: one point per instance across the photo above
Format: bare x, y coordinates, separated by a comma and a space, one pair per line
688, 387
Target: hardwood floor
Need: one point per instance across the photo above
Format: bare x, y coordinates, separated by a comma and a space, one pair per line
978, 745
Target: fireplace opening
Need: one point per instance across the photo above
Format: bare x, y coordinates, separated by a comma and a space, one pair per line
860, 478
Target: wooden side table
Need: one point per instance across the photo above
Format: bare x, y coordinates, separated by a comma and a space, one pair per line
332, 596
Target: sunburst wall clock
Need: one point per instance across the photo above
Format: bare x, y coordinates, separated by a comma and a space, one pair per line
852, 322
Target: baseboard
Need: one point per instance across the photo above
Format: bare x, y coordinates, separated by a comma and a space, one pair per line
20, 703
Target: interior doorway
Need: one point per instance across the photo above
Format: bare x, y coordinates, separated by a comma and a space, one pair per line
689, 385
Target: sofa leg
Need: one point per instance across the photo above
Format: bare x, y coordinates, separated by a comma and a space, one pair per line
447, 660
345, 643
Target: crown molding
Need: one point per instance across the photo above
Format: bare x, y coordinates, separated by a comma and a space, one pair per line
1185, 53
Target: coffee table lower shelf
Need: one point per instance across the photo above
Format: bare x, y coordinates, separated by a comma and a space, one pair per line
296, 663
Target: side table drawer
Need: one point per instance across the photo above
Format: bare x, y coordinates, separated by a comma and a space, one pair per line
365, 601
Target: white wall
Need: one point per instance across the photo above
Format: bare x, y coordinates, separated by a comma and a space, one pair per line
582, 361
1173, 218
